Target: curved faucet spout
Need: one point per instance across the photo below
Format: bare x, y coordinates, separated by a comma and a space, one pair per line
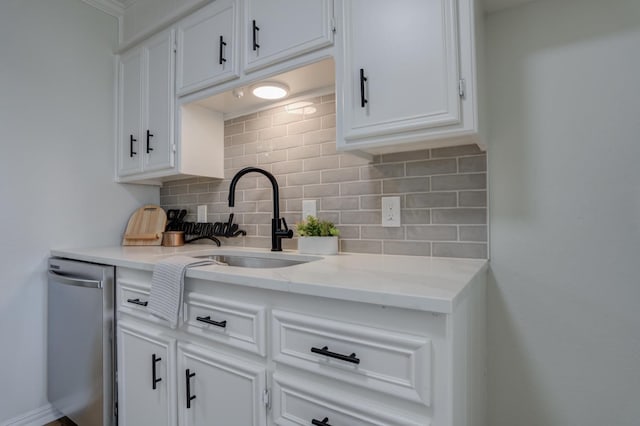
277, 223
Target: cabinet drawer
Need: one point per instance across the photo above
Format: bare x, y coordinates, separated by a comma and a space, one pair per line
236, 324
386, 361
133, 300
294, 404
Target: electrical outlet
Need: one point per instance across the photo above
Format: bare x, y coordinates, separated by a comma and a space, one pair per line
391, 211
202, 213
308, 208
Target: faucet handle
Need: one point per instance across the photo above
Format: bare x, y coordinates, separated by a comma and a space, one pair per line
285, 232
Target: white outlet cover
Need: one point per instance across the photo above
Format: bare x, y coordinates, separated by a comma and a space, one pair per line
202, 213
308, 208
391, 211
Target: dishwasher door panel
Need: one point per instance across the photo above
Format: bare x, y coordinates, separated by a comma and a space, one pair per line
80, 341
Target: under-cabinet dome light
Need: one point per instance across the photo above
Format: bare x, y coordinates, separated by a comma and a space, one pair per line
270, 90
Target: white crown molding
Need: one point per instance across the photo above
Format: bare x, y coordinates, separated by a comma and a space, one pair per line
112, 7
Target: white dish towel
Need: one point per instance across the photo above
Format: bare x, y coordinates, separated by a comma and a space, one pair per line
167, 285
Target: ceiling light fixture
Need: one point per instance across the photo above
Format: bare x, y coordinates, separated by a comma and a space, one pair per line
270, 90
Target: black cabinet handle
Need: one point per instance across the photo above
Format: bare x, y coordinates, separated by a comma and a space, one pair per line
190, 397
131, 141
208, 320
221, 57
320, 423
325, 351
149, 136
256, 46
363, 100
138, 302
154, 379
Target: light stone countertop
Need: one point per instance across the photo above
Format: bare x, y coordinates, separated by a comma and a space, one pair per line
413, 282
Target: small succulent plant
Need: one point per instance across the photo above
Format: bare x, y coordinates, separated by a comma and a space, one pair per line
312, 227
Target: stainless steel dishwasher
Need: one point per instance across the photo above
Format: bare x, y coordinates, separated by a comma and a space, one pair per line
80, 341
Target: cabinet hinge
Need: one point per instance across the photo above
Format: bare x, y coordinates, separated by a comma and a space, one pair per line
174, 148
333, 25
175, 46
461, 87
266, 398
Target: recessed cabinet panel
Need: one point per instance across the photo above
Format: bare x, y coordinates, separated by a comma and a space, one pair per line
280, 29
408, 53
395, 363
297, 404
130, 111
216, 389
158, 132
399, 73
208, 43
146, 387
241, 325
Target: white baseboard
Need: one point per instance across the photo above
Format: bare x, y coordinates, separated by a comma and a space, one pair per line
38, 417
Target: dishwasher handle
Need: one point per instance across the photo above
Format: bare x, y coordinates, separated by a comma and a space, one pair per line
78, 282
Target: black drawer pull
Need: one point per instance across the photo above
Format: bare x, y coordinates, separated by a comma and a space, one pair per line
154, 379
256, 46
363, 79
208, 320
190, 397
149, 136
138, 302
325, 351
221, 58
320, 423
131, 141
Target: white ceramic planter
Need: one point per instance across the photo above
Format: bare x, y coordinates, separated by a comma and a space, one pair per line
318, 245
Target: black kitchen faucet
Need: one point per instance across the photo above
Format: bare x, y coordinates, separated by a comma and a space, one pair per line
277, 222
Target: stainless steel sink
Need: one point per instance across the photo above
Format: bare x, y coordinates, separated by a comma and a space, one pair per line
255, 262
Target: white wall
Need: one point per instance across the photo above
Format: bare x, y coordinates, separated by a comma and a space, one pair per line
564, 163
57, 76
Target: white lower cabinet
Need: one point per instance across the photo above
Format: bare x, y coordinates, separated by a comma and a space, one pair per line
214, 389
146, 372
245, 356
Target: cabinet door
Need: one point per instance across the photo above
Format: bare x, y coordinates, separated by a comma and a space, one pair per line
217, 390
157, 144
146, 387
207, 47
280, 29
130, 92
398, 67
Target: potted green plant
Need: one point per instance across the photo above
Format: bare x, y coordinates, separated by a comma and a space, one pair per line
317, 236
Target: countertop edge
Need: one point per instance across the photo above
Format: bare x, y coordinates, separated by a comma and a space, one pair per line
441, 301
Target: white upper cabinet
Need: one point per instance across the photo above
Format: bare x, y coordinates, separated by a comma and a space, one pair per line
151, 147
405, 76
277, 30
208, 43
146, 109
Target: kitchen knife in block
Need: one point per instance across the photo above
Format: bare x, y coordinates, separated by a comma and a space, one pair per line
145, 227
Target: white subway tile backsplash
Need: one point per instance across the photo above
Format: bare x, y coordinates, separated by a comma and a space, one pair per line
443, 191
